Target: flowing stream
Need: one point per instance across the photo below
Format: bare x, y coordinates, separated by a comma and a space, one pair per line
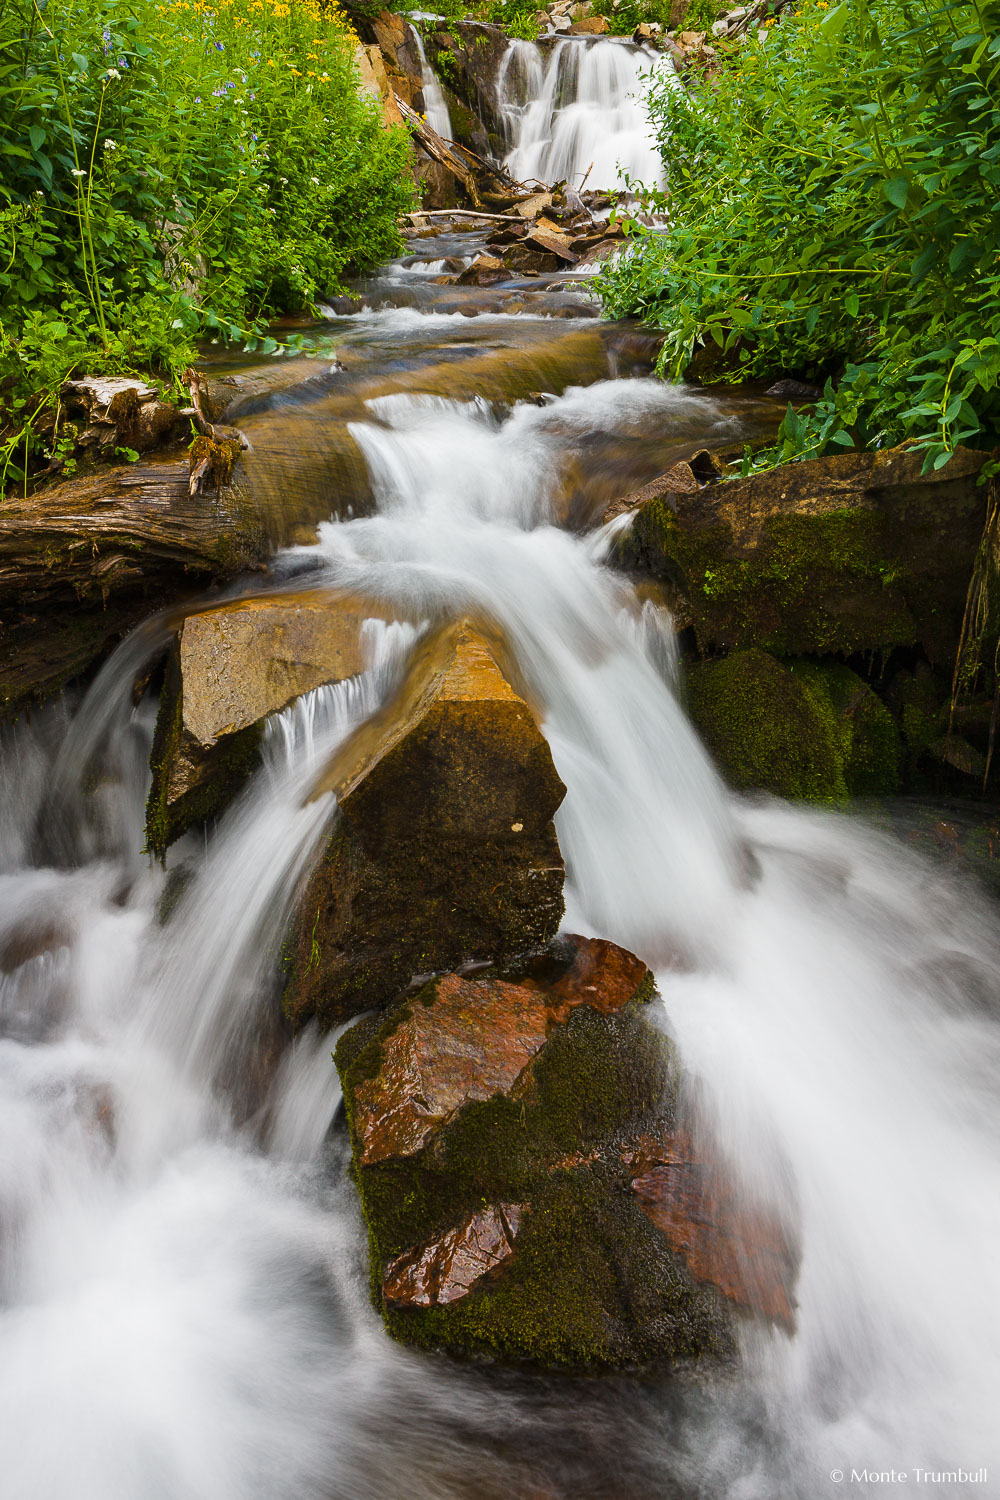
183, 1307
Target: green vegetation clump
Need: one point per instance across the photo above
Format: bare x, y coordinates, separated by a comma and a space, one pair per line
831, 201
173, 171
808, 731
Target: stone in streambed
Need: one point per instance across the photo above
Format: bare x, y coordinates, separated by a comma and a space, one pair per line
841, 554
231, 667
445, 850
514, 1137
806, 730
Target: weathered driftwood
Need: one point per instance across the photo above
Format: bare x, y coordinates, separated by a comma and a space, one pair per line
216, 449
441, 150
112, 530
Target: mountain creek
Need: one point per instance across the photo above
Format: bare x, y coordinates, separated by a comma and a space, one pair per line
498, 966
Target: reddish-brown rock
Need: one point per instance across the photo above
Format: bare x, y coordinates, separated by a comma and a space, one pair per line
473, 1038
740, 1248
448, 1267
528, 1190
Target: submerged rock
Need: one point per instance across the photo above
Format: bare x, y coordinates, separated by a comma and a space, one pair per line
846, 553
231, 667
806, 730
529, 1191
445, 850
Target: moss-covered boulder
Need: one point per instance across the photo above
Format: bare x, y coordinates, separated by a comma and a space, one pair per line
807, 730
231, 667
843, 554
445, 851
529, 1188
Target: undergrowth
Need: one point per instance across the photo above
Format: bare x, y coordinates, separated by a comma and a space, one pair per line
171, 172
831, 215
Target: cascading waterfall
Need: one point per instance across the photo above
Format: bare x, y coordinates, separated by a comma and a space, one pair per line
435, 104
584, 109
182, 1274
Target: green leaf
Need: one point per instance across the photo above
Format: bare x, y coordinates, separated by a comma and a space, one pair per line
853, 304
36, 135
896, 190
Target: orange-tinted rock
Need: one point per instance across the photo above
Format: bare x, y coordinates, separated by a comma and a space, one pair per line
448, 1267
741, 1249
468, 1039
445, 851
232, 666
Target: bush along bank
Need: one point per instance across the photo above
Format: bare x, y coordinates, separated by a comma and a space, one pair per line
829, 220
173, 172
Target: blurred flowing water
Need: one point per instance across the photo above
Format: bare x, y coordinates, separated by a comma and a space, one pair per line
580, 114
183, 1307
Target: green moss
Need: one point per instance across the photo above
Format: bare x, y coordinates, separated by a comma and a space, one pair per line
805, 730
814, 585
869, 741
768, 728
592, 1283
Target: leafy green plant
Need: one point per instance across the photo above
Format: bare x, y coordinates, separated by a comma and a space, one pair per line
831, 214
174, 171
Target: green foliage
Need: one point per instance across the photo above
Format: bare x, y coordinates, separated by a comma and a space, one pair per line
173, 171
628, 14
700, 15
831, 204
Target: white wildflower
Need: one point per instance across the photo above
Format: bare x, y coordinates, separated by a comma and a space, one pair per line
110, 145
78, 172
112, 73
315, 180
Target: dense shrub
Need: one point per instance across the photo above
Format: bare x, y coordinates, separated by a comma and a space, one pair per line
172, 169
831, 207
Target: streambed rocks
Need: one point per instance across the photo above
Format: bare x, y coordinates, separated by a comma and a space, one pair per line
810, 578
529, 1190
231, 667
810, 730
444, 852
853, 552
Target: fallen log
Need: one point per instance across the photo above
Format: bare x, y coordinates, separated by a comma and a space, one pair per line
441, 150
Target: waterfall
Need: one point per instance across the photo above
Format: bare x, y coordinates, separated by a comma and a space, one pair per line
183, 1310
435, 105
584, 109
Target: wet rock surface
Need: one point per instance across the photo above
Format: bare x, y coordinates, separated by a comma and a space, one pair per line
444, 852
807, 730
528, 1190
231, 667
847, 553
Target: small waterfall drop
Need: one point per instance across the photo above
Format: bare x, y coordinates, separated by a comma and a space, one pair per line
583, 109
435, 105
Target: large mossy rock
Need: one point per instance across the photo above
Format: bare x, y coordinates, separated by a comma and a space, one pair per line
529, 1189
842, 554
444, 851
808, 730
231, 667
